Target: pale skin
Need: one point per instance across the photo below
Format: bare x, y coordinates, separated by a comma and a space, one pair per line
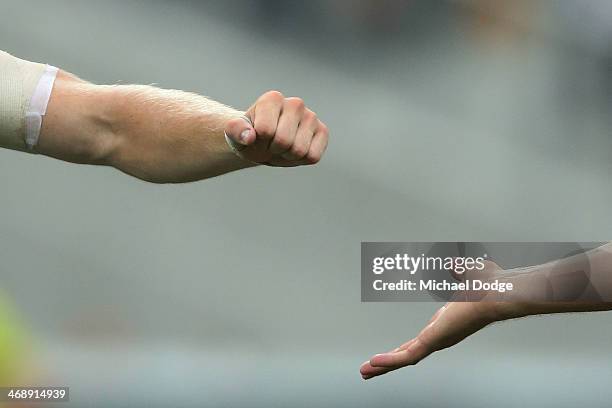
456, 321
166, 136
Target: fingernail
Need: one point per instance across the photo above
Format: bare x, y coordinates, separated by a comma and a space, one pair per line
244, 136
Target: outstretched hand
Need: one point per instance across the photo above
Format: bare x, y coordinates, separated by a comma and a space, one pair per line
449, 325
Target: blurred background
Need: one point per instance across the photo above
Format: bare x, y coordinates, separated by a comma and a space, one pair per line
450, 120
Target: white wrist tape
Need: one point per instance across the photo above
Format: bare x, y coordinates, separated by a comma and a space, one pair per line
38, 106
25, 90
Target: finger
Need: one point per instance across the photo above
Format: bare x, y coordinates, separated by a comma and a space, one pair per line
411, 355
317, 146
367, 371
266, 114
303, 139
291, 116
240, 131
413, 349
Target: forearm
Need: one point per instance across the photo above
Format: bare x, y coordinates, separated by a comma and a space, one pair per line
158, 135
580, 283
153, 134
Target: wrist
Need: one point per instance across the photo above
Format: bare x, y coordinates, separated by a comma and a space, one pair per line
529, 288
508, 310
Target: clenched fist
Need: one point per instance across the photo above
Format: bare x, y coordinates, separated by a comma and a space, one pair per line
278, 131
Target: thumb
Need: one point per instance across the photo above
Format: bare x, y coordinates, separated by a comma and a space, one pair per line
241, 131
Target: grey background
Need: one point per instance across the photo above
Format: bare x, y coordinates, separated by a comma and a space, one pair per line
244, 290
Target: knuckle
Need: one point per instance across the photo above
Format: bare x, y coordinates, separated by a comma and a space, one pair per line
274, 95
309, 116
296, 103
